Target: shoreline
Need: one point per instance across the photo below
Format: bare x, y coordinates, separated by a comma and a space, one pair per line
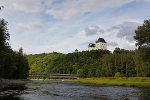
10, 82
139, 82
4, 83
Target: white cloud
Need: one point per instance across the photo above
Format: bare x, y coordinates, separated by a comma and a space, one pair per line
27, 6
126, 30
112, 43
29, 26
147, 0
93, 30
129, 46
73, 8
120, 17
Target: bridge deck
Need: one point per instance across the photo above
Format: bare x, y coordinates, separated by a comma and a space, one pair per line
53, 76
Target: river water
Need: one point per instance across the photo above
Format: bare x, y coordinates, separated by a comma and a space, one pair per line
58, 90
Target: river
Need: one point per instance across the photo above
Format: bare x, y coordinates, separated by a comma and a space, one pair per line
58, 90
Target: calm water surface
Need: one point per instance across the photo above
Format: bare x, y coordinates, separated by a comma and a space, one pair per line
57, 90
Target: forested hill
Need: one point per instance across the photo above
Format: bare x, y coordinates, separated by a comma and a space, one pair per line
72, 63
96, 63
41, 63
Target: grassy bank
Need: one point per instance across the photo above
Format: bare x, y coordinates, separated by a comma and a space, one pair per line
143, 82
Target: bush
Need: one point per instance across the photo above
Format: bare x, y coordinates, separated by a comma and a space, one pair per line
117, 74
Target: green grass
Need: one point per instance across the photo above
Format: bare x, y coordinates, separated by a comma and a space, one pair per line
143, 82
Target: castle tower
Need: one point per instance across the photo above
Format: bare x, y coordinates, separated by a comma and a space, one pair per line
91, 46
76, 50
100, 44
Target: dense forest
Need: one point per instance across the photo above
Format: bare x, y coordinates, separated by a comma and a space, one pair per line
99, 63
96, 63
13, 64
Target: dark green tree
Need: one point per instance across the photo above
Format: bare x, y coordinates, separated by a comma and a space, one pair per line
4, 36
22, 66
139, 64
142, 36
9, 63
142, 39
12, 64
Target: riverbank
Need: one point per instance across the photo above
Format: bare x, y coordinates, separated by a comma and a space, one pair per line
19, 81
10, 82
4, 83
142, 82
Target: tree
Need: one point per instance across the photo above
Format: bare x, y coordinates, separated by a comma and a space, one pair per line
80, 72
12, 64
143, 42
4, 36
9, 63
21, 51
139, 64
107, 65
22, 66
143, 35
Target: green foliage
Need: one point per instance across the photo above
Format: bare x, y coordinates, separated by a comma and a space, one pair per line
98, 63
22, 66
143, 34
117, 74
72, 63
122, 81
142, 38
41, 63
139, 63
12, 64
80, 72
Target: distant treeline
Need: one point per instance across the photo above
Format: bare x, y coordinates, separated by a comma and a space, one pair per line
96, 63
13, 64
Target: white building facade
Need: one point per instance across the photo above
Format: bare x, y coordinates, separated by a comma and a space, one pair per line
100, 44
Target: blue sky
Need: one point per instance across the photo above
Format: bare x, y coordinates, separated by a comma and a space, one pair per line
44, 26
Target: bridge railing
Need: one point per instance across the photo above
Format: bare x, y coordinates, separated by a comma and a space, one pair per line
73, 76
53, 75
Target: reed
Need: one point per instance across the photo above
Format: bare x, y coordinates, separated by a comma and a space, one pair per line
143, 82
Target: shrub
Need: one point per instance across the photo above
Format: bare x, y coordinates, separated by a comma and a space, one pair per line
117, 74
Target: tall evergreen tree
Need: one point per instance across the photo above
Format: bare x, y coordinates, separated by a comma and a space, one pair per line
12, 64
4, 36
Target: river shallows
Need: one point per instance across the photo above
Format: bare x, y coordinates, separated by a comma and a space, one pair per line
57, 90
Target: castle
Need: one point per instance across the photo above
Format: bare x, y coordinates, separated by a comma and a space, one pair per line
99, 44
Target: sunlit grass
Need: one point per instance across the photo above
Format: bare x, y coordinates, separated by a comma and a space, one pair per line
121, 81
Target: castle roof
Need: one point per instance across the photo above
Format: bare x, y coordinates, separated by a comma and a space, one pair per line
91, 45
101, 40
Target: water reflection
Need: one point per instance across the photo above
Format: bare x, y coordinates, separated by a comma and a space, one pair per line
52, 90
144, 94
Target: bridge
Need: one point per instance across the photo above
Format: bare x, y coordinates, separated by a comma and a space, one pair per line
53, 76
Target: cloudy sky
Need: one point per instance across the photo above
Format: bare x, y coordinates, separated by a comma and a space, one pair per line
44, 26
